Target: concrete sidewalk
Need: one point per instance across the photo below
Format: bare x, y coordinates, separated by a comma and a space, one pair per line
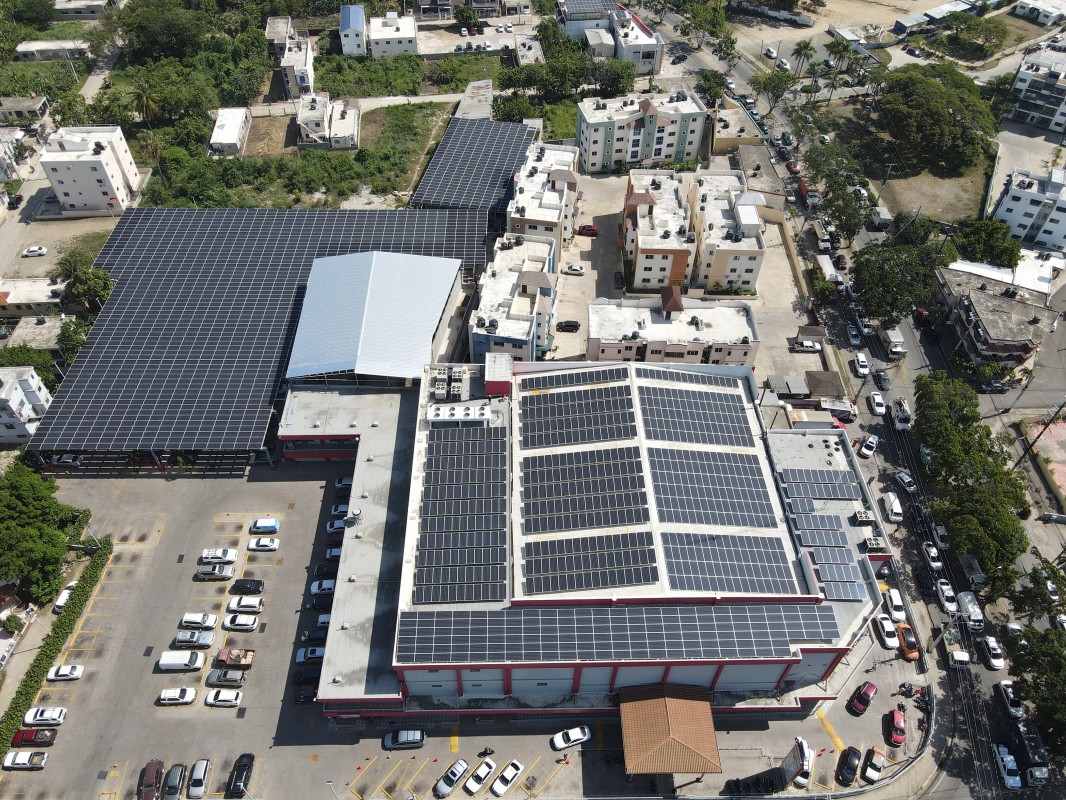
24, 653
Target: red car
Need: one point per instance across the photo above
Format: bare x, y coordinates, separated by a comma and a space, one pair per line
619, 280
588, 230
34, 737
841, 261
151, 782
792, 167
898, 734
864, 695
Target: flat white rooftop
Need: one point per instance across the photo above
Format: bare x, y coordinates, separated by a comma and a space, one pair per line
499, 293
669, 104
667, 226
14, 291
1032, 274
720, 320
228, 125
533, 191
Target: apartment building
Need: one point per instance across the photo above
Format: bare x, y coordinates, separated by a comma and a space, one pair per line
672, 329
278, 32
321, 122
640, 130
24, 399
1034, 206
52, 50
79, 9
1039, 89
392, 35
353, 31
636, 43
230, 132
91, 169
546, 197
1042, 12
729, 230
516, 300
298, 68
656, 230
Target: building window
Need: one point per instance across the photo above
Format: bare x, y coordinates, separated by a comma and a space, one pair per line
1015, 197
745, 283
658, 140
93, 169
1027, 214
54, 169
658, 152
664, 258
748, 271
9, 426
645, 280
752, 258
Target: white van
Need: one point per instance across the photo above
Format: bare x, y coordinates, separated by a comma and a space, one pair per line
959, 659
893, 508
175, 660
265, 525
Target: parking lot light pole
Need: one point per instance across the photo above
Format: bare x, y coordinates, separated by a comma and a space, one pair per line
330, 785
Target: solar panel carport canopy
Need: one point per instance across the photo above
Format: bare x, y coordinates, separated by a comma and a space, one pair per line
188, 352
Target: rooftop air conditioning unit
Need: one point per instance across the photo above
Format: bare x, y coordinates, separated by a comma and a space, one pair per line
864, 517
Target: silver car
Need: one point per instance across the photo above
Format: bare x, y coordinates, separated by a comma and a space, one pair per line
450, 779
198, 778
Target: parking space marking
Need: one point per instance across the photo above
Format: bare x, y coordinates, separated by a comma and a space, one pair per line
381, 786
121, 531
454, 740
830, 730
562, 764
361, 774
527, 774
422, 766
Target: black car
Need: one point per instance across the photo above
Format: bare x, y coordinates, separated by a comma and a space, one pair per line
788, 139
304, 694
884, 383
15, 201
316, 637
325, 571
240, 778
248, 586
306, 677
920, 521
926, 582
848, 766
321, 602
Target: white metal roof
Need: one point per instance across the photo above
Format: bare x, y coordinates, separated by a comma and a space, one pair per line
371, 313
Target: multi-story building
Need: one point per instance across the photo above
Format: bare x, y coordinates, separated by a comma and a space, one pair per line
392, 35
91, 169
52, 50
656, 229
636, 43
672, 329
230, 132
29, 297
24, 399
1042, 12
998, 321
729, 230
630, 39
640, 130
1034, 206
279, 31
324, 123
516, 299
9, 139
298, 68
1039, 89
353, 31
546, 197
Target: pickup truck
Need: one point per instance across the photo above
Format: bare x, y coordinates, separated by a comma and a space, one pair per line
232, 657
37, 737
24, 759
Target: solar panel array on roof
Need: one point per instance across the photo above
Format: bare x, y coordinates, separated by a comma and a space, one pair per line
578, 416
607, 633
474, 166
590, 562
555, 380
699, 487
686, 376
594, 7
726, 563
462, 555
189, 349
699, 416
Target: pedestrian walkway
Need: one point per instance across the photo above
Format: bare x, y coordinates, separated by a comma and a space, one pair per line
23, 656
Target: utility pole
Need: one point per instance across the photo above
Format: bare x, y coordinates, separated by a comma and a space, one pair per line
1031, 444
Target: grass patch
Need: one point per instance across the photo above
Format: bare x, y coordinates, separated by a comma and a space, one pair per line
91, 242
67, 29
453, 73
560, 120
48, 78
1021, 30
342, 76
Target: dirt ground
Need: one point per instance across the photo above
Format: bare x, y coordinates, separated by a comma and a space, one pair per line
947, 199
271, 136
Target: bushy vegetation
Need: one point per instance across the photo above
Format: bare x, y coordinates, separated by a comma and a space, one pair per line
53, 643
25, 356
343, 76
892, 279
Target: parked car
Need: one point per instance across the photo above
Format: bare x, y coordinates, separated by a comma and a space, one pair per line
323, 587
908, 642
1007, 766
325, 571
229, 678
806, 346
875, 764
67, 461
848, 766
588, 230
198, 621
571, 737
869, 447
36, 250
508, 778
897, 734
177, 697
451, 778
574, 269
335, 526
240, 622
306, 677
894, 604
992, 652
240, 777
770, 53
403, 740
877, 404
886, 631
480, 776
619, 280
224, 698
151, 780
218, 555
15, 201
215, 572
792, 167
64, 598
248, 586
946, 594
310, 655
198, 778
862, 697
44, 716
66, 672
264, 544
245, 605
862, 366
568, 326
1012, 704
339, 510
187, 640
174, 782
906, 482
25, 760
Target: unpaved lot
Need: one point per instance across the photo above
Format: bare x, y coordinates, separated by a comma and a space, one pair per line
271, 136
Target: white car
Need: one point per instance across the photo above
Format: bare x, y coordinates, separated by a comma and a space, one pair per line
264, 544
574, 269
24, 759
240, 622
310, 655
323, 587
450, 779
571, 737
224, 698
1009, 698
946, 594
993, 652
68, 460
769, 52
932, 556
342, 483
198, 778
36, 250
869, 447
807, 346
199, 621
862, 365
906, 482
245, 605
480, 776
875, 764
730, 84
877, 403
44, 716
894, 604
783, 64
64, 598
177, 697
66, 672
1007, 766
508, 778
887, 631
218, 555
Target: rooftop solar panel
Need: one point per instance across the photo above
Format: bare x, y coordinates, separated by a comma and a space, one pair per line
725, 563
694, 415
855, 592
699, 487
474, 166
688, 376
188, 351
555, 380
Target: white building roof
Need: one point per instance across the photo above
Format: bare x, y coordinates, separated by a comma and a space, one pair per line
669, 212
79, 143
228, 124
48, 45
619, 108
477, 101
720, 320
599, 36
299, 54
533, 190
360, 315
16, 291
391, 26
499, 287
1032, 274
1049, 7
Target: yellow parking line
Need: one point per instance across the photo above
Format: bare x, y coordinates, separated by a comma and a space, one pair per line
564, 763
360, 774
830, 730
421, 767
454, 740
386, 778
526, 774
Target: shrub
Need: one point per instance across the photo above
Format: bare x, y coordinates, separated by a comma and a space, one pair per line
13, 624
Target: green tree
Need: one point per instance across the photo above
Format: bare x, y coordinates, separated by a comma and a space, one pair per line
23, 355
988, 241
511, 108
70, 110
773, 85
144, 95
713, 83
803, 52
34, 13
613, 77
466, 16
841, 51
90, 286
914, 228
1039, 670
71, 262
891, 280
111, 107
72, 336
725, 48
160, 28
706, 20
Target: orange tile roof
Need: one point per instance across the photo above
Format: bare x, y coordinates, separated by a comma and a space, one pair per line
668, 729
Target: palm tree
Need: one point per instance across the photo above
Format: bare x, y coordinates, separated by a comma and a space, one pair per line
840, 50
145, 97
150, 146
803, 52
833, 82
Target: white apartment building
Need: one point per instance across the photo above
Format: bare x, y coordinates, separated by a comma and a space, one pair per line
517, 294
656, 229
636, 43
91, 169
671, 329
1039, 90
278, 32
9, 137
729, 230
1042, 12
324, 123
392, 35
640, 130
230, 132
1034, 206
353, 31
546, 196
298, 68
24, 399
